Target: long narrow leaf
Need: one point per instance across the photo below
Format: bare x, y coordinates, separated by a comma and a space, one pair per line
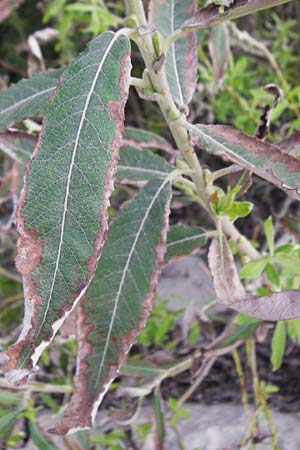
181, 58
28, 98
184, 240
141, 165
214, 14
40, 440
62, 215
119, 300
283, 305
145, 139
265, 160
219, 49
227, 284
17, 145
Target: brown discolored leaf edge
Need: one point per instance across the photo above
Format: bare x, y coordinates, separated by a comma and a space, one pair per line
283, 305
265, 160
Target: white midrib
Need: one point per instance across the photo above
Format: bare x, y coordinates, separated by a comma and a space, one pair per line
222, 255
70, 176
190, 238
142, 170
174, 57
214, 141
124, 273
17, 105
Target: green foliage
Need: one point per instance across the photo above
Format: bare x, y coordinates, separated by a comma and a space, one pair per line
278, 344
225, 204
63, 254
177, 412
88, 17
111, 440
159, 325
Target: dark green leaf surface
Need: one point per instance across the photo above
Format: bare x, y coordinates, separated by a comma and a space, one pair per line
181, 58
119, 300
17, 145
219, 49
135, 164
141, 369
145, 139
184, 240
240, 333
62, 215
278, 344
141, 165
212, 14
263, 159
28, 98
39, 439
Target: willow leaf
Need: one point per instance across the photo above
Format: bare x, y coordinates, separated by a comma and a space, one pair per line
135, 164
264, 159
27, 98
145, 139
17, 145
283, 305
291, 145
219, 49
213, 14
181, 58
141, 165
184, 240
119, 300
226, 279
62, 215
39, 437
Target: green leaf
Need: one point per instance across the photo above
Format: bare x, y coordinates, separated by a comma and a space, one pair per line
269, 233
219, 49
278, 344
238, 210
17, 145
253, 268
244, 327
286, 249
28, 98
136, 163
272, 275
62, 215
293, 327
7, 422
264, 159
119, 300
214, 14
183, 240
141, 369
145, 139
141, 165
39, 439
181, 59
159, 418
289, 263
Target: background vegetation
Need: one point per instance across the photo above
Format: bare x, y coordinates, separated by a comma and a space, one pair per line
264, 48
